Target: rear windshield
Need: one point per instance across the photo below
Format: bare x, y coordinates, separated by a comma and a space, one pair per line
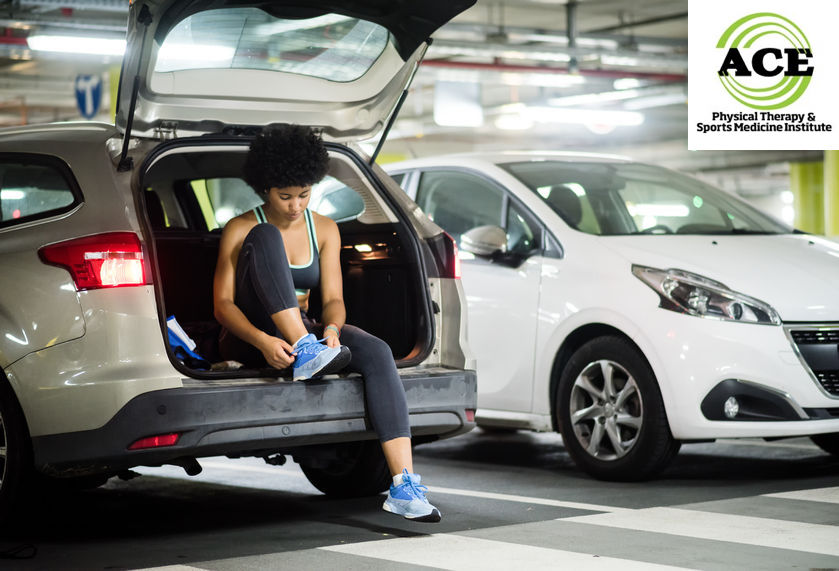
631, 198
333, 47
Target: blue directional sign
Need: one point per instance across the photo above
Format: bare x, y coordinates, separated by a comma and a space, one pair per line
88, 94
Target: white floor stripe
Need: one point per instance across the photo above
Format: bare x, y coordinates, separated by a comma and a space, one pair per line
811, 538
527, 500
459, 552
827, 495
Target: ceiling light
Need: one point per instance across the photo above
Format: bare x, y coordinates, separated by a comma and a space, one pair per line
626, 83
77, 45
513, 122
583, 116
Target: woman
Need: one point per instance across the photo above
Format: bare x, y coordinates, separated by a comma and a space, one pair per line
269, 260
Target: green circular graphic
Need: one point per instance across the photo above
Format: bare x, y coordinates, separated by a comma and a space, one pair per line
742, 34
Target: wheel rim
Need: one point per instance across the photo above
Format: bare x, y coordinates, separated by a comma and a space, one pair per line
606, 410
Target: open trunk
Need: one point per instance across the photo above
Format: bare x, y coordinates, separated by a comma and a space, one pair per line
190, 188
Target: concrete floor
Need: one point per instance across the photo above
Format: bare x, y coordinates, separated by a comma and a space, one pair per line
507, 500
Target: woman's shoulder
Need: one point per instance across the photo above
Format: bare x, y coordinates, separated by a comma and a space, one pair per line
323, 222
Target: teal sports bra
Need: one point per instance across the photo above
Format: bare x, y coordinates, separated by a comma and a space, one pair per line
307, 276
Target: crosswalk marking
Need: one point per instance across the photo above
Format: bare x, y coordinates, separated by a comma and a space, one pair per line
813, 538
459, 552
527, 500
828, 495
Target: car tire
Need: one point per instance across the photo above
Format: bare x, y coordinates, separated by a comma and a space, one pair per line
359, 469
15, 451
611, 414
827, 442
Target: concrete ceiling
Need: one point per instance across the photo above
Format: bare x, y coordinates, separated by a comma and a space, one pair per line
509, 55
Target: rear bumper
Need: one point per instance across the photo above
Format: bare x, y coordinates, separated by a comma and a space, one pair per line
254, 419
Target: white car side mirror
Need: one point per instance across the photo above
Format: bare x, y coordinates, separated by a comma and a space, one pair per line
484, 241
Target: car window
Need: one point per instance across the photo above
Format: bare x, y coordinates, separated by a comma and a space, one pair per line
334, 199
631, 198
458, 201
397, 178
333, 47
223, 198
522, 235
30, 191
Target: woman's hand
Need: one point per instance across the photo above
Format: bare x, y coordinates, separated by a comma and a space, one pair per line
277, 352
331, 338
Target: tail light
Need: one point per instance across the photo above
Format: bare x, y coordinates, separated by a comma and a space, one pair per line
107, 260
445, 253
155, 441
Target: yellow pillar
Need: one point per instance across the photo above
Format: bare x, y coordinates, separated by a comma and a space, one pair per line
113, 80
807, 185
831, 193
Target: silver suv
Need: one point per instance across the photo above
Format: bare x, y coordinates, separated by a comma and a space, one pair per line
107, 232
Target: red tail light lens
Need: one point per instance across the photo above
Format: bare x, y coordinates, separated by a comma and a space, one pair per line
445, 253
155, 441
107, 260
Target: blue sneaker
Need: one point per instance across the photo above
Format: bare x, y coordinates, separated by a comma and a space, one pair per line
408, 500
313, 358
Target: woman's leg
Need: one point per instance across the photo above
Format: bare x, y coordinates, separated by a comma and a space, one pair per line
264, 287
384, 393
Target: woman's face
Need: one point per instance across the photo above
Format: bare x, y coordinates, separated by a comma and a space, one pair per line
289, 202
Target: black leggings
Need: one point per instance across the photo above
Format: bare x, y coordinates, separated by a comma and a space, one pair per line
264, 286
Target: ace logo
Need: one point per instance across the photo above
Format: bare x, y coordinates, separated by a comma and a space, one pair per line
762, 75
759, 48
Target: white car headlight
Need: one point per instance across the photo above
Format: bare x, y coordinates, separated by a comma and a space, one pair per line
693, 294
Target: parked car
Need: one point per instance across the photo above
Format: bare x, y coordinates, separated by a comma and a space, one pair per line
634, 308
108, 231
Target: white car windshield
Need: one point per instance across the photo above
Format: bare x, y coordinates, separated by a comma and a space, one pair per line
630, 198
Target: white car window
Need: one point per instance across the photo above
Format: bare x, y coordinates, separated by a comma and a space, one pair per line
458, 201
333, 47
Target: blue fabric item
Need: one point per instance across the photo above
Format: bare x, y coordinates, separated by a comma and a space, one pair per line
182, 351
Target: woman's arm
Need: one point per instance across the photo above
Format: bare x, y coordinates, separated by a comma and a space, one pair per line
227, 313
334, 314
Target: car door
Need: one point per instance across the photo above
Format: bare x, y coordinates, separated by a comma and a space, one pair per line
502, 295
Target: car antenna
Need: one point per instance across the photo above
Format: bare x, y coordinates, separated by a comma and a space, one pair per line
126, 163
398, 106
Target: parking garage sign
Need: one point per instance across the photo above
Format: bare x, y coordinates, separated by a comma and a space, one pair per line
762, 75
88, 94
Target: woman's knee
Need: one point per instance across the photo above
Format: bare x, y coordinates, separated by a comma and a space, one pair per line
264, 234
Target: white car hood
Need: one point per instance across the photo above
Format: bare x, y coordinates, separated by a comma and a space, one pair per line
797, 274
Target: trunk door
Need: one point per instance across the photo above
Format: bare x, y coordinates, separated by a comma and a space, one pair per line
199, 66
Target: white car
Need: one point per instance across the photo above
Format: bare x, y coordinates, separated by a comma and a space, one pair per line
633, 308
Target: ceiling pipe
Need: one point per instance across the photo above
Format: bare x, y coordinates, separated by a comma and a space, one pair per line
606, 73
647, 22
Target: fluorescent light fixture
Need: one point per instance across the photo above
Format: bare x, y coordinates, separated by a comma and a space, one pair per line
76, 45
513, 122
11, 194
626, 83
787, 197
583, 116
593, 98
458, 104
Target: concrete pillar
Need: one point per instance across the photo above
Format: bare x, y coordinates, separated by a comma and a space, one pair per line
807, 185
831, 193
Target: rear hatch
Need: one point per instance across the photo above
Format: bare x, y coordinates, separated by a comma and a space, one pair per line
194, 66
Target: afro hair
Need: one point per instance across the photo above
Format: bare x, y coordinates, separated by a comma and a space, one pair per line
285, 155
